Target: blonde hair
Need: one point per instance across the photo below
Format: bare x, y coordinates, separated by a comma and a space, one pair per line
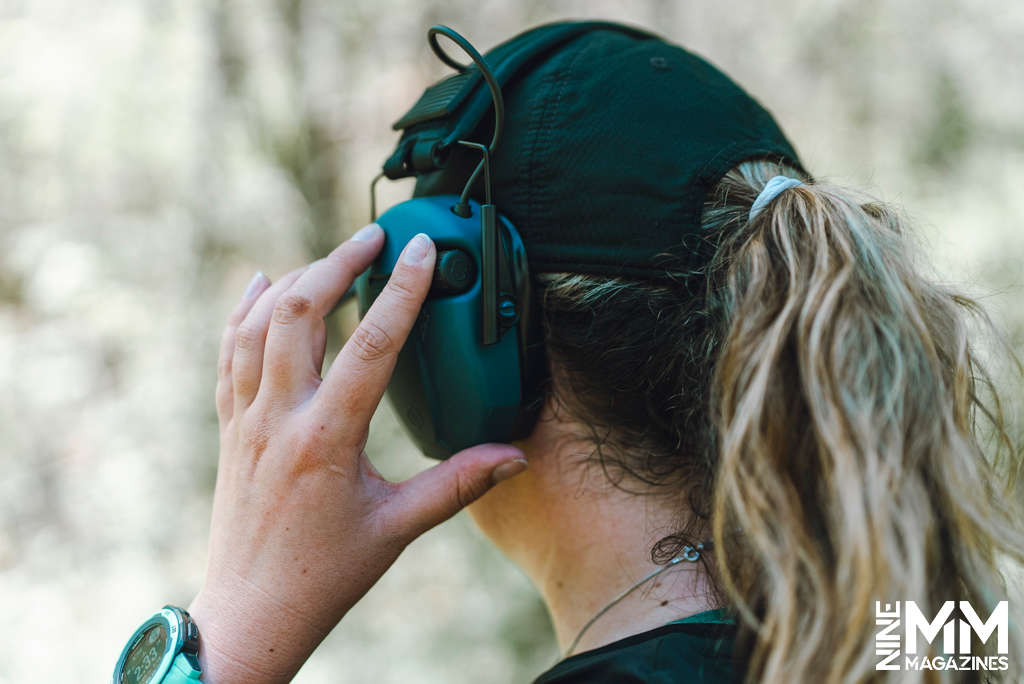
820, 402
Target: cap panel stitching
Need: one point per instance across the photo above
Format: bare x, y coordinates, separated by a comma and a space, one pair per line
534, 129
563, 75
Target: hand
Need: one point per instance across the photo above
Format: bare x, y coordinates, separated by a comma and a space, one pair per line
303, 524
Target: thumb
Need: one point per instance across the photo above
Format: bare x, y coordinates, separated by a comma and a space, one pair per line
438, 493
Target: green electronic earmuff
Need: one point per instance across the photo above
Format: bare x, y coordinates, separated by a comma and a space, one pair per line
473, 367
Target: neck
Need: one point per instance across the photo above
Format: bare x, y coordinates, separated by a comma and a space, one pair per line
583, 541
582, 573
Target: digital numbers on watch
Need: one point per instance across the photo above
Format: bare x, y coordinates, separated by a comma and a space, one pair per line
144, 657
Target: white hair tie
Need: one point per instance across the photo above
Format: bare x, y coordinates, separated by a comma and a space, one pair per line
772, 189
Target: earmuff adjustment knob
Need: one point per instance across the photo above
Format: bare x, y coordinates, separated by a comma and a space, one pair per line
454, 273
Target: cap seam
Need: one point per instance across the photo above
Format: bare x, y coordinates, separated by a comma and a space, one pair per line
530, 149
544, 136
541, 140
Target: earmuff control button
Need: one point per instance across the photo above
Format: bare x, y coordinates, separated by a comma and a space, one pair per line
508, 310
454, 273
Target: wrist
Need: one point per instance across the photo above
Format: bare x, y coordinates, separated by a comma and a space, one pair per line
247, 642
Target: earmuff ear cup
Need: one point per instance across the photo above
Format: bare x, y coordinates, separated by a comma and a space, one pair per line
448, 390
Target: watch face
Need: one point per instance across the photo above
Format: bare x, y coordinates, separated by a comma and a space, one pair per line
143, 660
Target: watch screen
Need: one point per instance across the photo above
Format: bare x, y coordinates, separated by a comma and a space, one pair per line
144, 659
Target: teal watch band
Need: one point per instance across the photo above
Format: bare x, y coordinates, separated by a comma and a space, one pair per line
184, 670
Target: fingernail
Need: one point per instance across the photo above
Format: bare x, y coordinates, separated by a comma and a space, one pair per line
507, 470
254, 285
416, 249
366, 233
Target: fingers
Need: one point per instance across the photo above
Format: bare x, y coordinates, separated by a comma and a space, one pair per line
297, 335
225, 393
436, 494
250, 338
357, 379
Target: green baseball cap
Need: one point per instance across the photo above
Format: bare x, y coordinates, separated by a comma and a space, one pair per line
612, 139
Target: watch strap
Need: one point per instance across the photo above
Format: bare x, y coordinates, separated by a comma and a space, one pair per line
185, 669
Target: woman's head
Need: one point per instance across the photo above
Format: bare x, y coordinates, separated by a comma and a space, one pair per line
812, 398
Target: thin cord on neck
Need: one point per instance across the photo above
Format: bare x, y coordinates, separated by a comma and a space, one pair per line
690, 554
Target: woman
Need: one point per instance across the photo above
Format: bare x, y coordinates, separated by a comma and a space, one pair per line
733, 464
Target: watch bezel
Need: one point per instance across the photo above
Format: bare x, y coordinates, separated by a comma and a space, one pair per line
175, 623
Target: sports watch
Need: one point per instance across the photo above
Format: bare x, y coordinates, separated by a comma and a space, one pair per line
163, 650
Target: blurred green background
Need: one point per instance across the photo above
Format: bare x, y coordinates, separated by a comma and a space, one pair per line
154, 154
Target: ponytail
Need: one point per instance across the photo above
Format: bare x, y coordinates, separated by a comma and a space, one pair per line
847, 401
815, 401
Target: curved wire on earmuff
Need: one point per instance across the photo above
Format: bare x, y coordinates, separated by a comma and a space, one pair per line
493, 268
489, 240
487, 166
462, 208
